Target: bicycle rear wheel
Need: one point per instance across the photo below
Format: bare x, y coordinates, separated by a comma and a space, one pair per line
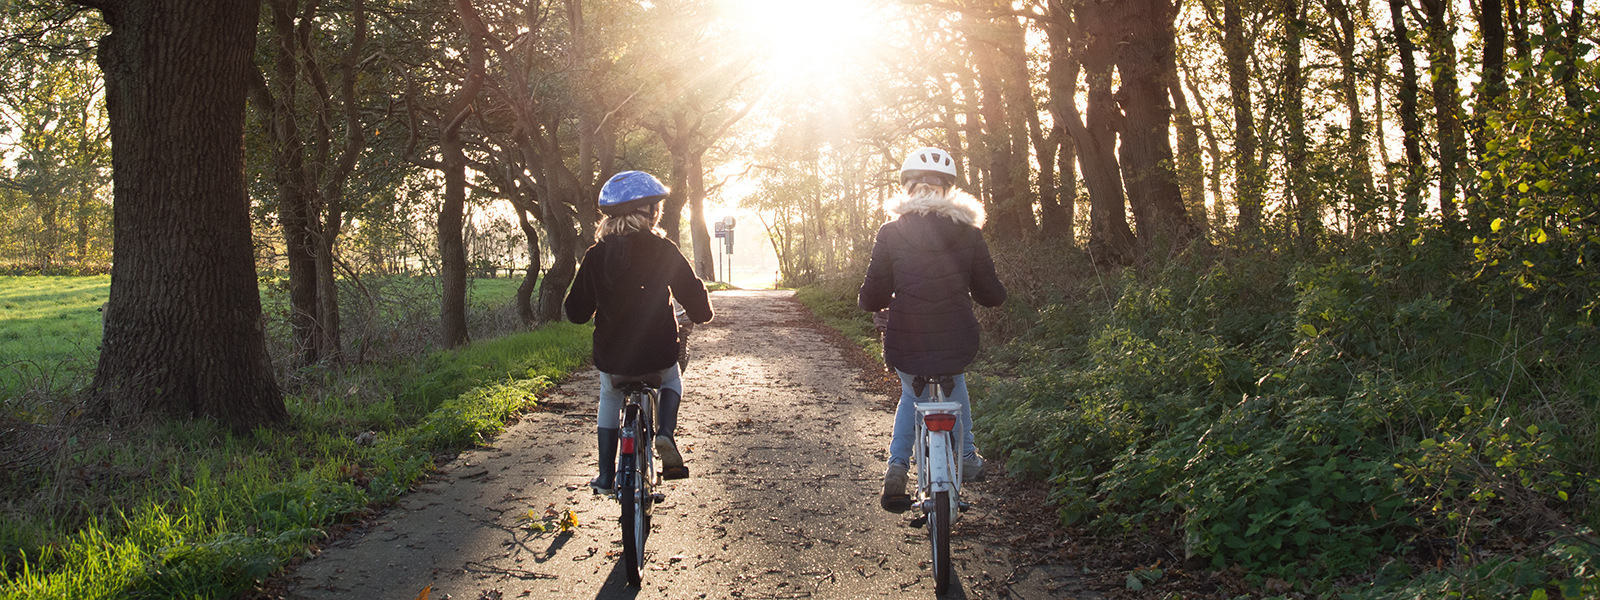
939, 538
627, 494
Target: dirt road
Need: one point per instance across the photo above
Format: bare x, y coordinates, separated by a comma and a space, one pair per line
786, 440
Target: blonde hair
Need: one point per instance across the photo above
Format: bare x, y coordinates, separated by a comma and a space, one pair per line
644, 219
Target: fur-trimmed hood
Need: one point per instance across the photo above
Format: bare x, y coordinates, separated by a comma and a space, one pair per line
956, 205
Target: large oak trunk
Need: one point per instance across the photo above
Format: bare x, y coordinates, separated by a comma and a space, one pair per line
183, 329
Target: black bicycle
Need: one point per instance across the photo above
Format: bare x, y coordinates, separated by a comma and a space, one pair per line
637, 475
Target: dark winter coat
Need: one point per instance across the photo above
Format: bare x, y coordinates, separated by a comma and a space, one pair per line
623, 283
927, 268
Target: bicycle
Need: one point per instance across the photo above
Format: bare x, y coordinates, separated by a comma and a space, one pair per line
938, 470
637, 475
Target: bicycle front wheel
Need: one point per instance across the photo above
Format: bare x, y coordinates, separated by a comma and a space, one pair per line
939, 538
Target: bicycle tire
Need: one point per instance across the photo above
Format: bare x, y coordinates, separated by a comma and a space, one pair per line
939, 538
627, 493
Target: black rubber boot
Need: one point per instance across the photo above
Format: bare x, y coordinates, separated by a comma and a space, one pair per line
666, 445
607, 481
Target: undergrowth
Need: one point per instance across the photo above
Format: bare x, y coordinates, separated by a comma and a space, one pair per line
191, 510
1310, 418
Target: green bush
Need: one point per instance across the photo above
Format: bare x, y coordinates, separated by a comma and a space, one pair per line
1305, 418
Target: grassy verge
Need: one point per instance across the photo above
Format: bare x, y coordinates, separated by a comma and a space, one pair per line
190, 510
834, 301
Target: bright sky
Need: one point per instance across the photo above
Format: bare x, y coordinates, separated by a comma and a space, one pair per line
806, 41
808, 38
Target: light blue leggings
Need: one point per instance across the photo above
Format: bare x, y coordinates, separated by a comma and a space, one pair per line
905, 415
611, 398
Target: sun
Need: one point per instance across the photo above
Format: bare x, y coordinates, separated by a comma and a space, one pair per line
808, 38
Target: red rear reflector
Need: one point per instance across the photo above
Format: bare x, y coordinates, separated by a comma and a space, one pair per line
940, 421
627, 445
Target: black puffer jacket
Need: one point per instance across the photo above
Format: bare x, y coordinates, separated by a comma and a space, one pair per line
927, 268
623, 283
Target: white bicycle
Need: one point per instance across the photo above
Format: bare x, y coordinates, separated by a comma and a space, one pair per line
939, 437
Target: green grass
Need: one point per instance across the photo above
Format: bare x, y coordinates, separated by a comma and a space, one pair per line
47, 322
190, 510
834, 302
50, 325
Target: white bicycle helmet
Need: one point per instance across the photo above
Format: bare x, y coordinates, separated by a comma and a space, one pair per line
929, 161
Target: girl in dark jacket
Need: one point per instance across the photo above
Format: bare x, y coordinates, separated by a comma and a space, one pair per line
627, 283
928, 266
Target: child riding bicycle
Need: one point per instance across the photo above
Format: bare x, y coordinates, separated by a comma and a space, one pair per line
627, 283
928, 266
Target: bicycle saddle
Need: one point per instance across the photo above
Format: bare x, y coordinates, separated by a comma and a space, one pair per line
946, 382
650, 379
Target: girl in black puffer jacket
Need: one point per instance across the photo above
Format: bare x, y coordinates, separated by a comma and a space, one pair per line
928, 266
627, 283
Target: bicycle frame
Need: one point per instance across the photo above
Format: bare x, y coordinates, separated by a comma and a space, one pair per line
938, 465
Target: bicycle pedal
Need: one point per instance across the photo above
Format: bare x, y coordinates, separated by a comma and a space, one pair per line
963, 506
918, 522
658, 497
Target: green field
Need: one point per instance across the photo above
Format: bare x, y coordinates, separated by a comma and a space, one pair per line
50, 325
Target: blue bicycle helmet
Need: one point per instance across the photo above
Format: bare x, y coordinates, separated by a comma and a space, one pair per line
629, 191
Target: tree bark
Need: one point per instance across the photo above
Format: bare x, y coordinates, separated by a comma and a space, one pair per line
1359, 187
1191, 174
705, 263
1062, 80
1410, 122
277, 100
452, 249
1248, 180
1307, 210
1001, 175
1446, 104
524, 296
1110, 239
183, 331
1146, 49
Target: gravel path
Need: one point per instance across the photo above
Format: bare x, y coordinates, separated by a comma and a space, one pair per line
785, 435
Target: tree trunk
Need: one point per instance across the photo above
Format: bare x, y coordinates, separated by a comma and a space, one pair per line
332, 193
1213, 147
563, 236
1491, 93
1248, 181
1410, 122
1062, 80
1307, 209
524, 295
1110, 239
1191, 174
1146, 151
705, 264
1446, 104
452, 249
183, 329
1003, 188
1359, 187
289, 174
